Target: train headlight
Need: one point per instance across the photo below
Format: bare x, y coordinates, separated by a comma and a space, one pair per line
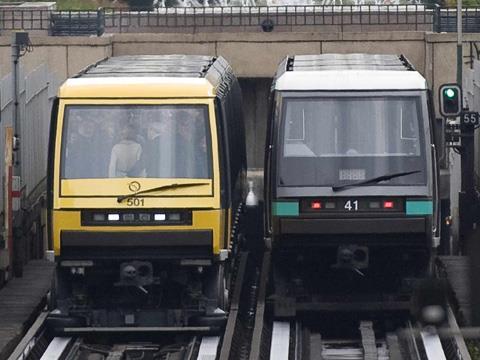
128, 217
174, 217
133, 217
330, 205
159, 217
113, 217
99, 217
374, 204
144, 217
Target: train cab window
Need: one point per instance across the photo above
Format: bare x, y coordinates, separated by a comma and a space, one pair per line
153, 141
345, 133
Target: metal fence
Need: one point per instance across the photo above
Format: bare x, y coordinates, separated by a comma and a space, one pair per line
37, 90
446, 20
342, 18
80, 23
269, 18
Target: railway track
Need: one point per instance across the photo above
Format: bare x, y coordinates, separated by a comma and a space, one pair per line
362, 338
135, 343
39, 344
300, 341
251, 334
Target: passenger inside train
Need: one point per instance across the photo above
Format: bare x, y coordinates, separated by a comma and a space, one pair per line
137, 141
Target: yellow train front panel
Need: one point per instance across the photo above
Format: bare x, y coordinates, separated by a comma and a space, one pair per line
84, 187
201, 220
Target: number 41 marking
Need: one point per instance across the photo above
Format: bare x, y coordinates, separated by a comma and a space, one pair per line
351, 205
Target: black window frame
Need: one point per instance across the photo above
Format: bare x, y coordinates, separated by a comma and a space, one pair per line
67, 106
278, 123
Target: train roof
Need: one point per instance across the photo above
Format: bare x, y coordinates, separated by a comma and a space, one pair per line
348, 72
151, 76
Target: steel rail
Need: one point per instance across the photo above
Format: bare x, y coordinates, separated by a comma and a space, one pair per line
31, 338
432, 344
280, 342
412, 343
208, 348
57, 348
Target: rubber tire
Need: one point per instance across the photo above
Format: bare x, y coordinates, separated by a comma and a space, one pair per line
56, 323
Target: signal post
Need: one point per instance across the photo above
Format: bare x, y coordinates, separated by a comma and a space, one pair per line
460, 136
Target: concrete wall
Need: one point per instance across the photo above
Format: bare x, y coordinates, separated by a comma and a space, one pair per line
257, 54
63, 55
252, 55
255, 96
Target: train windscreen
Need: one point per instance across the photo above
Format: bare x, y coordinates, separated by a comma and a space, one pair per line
152, 141
329, 141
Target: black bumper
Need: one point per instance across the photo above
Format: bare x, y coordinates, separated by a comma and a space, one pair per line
371, 232
192, 244
353, 226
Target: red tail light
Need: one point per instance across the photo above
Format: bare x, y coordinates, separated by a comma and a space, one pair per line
388, 204
316, 205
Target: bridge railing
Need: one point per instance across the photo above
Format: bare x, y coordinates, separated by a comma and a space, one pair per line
55, 22
446, 20
413, 17
328, 18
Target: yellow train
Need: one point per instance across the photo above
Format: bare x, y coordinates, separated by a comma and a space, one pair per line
146, 178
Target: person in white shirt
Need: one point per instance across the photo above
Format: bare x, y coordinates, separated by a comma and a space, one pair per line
125, 154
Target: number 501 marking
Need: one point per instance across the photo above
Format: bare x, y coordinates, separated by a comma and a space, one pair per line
135, 202
351, 205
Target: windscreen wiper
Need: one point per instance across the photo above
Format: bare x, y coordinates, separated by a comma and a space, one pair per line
160, 188
374, 180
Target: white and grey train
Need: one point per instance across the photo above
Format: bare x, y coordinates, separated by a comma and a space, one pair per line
351, 182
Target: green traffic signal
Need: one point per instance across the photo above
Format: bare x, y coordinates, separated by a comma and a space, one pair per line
450, 93
450, 100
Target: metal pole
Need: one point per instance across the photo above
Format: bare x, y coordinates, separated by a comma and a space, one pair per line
16, 112
459, 42
17, 170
